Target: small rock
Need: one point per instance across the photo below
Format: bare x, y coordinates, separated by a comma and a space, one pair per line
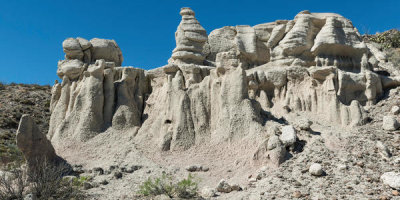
196, 168
192, 168
303, 124
252, 180
261, 175
224, 187
104, 182
117, 175
390, 123
78, 169
395, 193
296, 194
395, 110
205, 169
342, 167
98, 170
87, 185
392, 179
383, 150
132, 169
288, 136
316, 169
207, 192
236, 187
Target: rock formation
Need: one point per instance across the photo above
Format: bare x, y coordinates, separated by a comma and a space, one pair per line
227, 87
190, 39
34, 145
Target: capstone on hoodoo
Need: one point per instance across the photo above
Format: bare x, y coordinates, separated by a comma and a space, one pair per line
231, 85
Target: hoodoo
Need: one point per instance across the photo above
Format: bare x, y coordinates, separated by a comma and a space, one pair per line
238, 84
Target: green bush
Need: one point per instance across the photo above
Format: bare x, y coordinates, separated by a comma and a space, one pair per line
186, 188
78, 182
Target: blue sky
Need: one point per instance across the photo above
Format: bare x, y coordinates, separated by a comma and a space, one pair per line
31, 32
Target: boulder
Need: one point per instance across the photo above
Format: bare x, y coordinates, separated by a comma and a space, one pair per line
207, 192
72, 49
34, 145
391, 179
288, 136
70, 68
390, 123
107, 50
225, 187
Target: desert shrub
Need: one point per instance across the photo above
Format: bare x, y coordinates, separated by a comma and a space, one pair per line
2, 86
388, 39
10, 154
157, 186
185, 188
13, 184
45, 181
78, 181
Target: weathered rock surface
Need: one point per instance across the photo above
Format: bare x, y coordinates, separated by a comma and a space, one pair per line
190, 39
229, 87
236, 97
316, 169
34, 145
392, 179
390, 123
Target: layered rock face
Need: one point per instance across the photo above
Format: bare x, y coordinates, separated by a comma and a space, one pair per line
228, 86
190, 39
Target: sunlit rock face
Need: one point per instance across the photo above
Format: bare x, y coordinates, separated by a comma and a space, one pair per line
225, 87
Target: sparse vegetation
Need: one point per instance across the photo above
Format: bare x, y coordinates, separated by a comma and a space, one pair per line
186, 188
389, 42
78, 181
45, 182
16, 100
388, 39
13, 184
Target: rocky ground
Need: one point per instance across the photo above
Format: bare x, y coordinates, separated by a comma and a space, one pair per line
16, 100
